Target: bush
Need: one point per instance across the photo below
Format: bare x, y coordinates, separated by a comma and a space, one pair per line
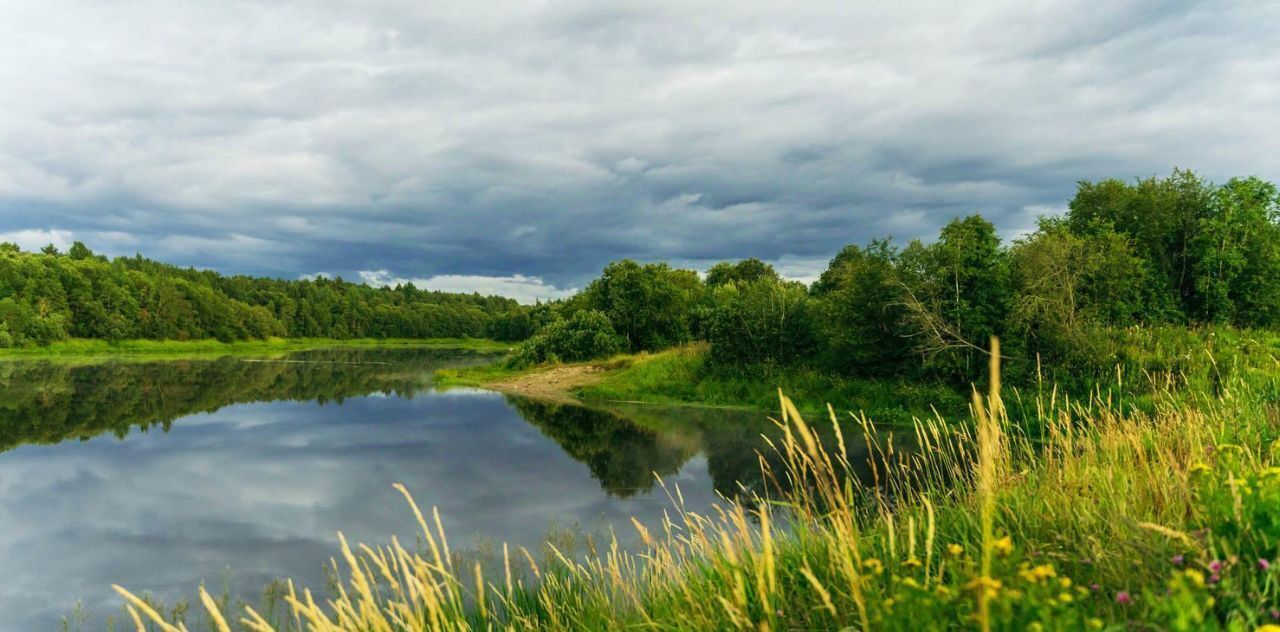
765, 322
649, 305
588, 334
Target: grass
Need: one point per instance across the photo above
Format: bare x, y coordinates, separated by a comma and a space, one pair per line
682, 376
1102, 517
78, 347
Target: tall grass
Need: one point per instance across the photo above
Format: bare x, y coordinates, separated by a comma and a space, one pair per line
1096, 516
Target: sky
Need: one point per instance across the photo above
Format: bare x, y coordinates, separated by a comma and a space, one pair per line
517, 147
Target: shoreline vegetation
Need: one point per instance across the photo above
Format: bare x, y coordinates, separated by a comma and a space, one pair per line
683, 377
1090, 519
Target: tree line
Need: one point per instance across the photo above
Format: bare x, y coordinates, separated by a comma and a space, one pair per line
1158, 251
50, 295
1174, 250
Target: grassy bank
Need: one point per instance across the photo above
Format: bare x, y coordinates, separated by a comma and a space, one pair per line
1160, 520
162, 348
1145, 366
682, 376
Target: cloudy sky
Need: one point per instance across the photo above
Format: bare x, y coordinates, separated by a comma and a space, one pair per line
516, 147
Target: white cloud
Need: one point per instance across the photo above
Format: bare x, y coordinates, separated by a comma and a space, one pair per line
525, 289
33, 240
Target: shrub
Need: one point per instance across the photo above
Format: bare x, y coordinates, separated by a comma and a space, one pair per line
765, 322
588, 334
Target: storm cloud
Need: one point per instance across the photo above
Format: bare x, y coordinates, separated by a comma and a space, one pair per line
521, 145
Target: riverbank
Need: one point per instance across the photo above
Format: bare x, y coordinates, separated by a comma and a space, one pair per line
1105, 522
81, 348
683, 377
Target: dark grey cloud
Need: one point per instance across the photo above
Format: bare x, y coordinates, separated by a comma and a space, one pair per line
523, 143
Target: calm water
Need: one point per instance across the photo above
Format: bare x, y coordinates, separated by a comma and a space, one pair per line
159, 475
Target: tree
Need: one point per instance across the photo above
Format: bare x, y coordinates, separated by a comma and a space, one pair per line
955, 294
1162, 217
79, 251
764, 322
861, 301
1236, 255
650, 305
745, 271
1066, 285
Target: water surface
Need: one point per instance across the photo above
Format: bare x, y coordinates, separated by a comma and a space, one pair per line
160, 475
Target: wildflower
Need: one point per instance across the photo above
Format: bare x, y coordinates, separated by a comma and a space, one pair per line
991, 587
1123, 598
913, 563
1095, 624
1215, 578
1270, 627
1179, 560
1034, 575
1003, 546
1034, 626
1195, 576
1065, 582
1264, 565
910, 583
1275, 614
1066, 597
1215, 566
955, 550
873, 565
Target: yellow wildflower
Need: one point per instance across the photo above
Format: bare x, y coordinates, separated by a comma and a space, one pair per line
1034, 575
986, 584
1003, 546
873, 565
955, 550
1196, 577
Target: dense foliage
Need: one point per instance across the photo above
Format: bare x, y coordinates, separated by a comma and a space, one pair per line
587, 334
1159, 251
50, 296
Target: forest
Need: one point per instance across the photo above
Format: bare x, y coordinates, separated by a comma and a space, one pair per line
50, 296
1177, 250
